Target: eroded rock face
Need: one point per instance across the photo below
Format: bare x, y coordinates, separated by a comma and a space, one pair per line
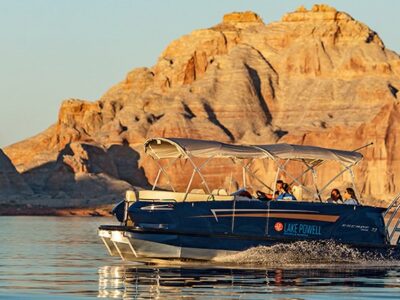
13, 187
316, 77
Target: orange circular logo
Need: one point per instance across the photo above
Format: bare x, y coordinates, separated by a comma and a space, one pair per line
278, 226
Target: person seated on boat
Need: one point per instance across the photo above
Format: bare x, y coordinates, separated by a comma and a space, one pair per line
335, 197
350, 197
286, 195
279, 186
279, 189
242, 193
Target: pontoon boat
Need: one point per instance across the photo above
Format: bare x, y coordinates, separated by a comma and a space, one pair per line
203, 224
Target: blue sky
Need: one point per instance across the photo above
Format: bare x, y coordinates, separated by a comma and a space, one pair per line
52, 50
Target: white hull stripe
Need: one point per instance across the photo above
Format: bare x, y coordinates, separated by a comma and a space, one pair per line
157, 207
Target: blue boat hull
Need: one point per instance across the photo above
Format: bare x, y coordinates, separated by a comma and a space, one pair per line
254, 219
207, 229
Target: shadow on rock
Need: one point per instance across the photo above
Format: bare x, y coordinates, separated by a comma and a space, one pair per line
87, 175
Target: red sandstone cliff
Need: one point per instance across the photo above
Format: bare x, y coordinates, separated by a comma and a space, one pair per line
316, 77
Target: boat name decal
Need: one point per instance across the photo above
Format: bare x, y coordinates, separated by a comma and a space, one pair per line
299, 229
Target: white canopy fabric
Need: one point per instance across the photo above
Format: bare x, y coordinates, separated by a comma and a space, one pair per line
160, 148
311, 154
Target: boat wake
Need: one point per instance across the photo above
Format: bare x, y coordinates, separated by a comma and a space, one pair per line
307, 253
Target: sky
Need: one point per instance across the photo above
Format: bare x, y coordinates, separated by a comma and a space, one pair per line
51, 50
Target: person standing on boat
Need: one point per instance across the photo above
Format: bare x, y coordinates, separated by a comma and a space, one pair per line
286, 195
335, 197
350, 197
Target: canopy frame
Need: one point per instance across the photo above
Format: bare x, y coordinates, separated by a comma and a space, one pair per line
252, 174
160, 148
162, 169
197, 170
282, 169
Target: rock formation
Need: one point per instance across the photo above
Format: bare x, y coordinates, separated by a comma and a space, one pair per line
316, 77
13, 187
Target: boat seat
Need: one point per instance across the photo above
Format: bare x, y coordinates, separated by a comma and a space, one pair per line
179, 196
197, 191
130, 196
221, 197
221, 192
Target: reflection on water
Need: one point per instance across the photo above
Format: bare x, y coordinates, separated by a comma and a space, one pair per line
141, 282
62, 258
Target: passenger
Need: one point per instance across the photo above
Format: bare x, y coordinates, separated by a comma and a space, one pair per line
335, 197
279, 184
350, 197
286, 195
278, 189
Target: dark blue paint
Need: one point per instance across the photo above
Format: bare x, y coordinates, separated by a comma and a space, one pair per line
194, 224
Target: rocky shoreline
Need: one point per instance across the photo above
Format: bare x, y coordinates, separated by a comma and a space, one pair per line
29, 210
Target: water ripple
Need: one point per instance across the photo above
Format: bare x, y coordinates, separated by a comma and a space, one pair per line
62, 258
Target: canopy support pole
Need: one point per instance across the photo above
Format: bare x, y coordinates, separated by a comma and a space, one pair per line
354, 185
304, 173
166, 174
233, 214
280, 168
189, 184
156, 181
244, 171
336, 176
314, 176
198, 171
192, 177
244, 176
295, 180
273, 194
274, 183
159, 172
258, 179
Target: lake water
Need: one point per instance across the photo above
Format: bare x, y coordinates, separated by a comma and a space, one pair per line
62, 258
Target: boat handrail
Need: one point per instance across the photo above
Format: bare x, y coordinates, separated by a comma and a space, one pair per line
394, 206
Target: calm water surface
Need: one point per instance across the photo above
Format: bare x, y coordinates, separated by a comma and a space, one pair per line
62, 258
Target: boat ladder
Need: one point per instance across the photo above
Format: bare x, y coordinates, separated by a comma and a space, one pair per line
394, 219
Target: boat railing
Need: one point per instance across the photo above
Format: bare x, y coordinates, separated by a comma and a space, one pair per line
392, 225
